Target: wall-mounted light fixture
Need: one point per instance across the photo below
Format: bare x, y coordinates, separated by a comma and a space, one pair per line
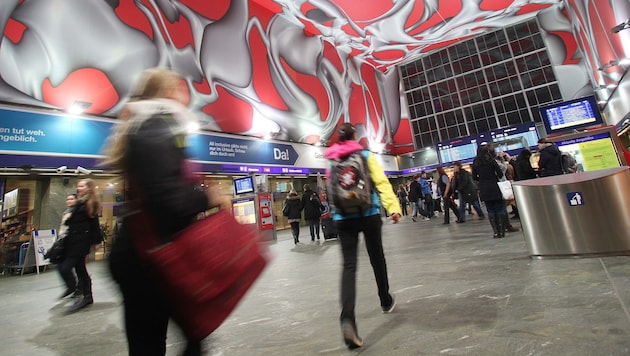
623, 63
622, 26
78, 107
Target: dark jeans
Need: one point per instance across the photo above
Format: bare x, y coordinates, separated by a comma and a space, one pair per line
429, 207
146, 311
403, 206
462, 208
295, 229
448, 206
437, 204
349, 237
495, 207
84, 284
313, 226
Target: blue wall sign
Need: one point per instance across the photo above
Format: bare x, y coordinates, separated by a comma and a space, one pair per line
53, 134
575, 198
210, 148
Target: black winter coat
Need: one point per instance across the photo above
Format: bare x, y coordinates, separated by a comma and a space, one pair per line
462, 182
81, 229
295, 208
415, 191
156, 166
311, 206
550, 163
487, 174
524, 169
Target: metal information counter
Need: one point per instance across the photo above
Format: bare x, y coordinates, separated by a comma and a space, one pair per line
582, 214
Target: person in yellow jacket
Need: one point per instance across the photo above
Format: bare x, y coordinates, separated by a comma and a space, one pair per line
369, 222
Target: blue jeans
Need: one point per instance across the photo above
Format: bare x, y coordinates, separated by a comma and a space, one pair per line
475, 205
419, 209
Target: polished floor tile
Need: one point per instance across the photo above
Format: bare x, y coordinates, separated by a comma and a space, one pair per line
459, 292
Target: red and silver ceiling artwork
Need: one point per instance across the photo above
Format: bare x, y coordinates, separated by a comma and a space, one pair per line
291, 68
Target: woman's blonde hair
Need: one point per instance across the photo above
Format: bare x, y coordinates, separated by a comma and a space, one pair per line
90, 198
154, 83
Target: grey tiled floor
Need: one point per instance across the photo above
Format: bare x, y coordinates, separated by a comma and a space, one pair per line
459, 292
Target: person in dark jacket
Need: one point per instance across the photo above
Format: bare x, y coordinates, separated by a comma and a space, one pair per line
486, 171
294, 214
467, 192
161, 184
444, 186
82, 226
524, 169
550, 162
401, 193
415, 196
312, 210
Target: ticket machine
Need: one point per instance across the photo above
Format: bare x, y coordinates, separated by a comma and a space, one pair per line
252, 208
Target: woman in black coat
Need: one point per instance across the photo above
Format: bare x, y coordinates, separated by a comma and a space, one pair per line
164, 186
294, 214
486, 171
312, 210
83, 232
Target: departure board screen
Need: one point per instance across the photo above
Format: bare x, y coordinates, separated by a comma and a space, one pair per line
513, 139
571, 115
462, 149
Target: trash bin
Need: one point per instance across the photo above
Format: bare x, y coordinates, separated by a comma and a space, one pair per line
576, 215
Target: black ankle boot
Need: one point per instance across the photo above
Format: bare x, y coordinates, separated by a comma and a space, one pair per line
80, 304
67, 293
495, 228
499, 220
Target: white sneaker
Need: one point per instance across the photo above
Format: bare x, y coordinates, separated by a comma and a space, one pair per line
390, 308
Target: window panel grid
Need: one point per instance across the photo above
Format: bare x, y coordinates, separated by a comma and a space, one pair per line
494, 80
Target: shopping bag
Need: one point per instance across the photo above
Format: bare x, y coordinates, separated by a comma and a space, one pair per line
205, 271
506, 189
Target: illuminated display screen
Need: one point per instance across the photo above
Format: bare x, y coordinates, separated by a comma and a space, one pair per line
243, 185
513, 139
573, 114
592, 152
463, 150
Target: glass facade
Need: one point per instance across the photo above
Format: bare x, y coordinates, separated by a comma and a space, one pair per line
498, 79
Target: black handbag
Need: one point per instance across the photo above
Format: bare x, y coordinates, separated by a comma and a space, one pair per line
57, 252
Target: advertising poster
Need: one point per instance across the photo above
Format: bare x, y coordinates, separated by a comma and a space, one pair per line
42, 241
599, 154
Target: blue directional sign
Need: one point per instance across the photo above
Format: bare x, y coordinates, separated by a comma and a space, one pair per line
214, 148
575, 198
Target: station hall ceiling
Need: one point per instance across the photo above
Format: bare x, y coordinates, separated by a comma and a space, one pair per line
387, 32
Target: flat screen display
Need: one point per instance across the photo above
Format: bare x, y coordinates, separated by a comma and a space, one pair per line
463, 149
514, 139
570, 115
592, 152
244, 185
